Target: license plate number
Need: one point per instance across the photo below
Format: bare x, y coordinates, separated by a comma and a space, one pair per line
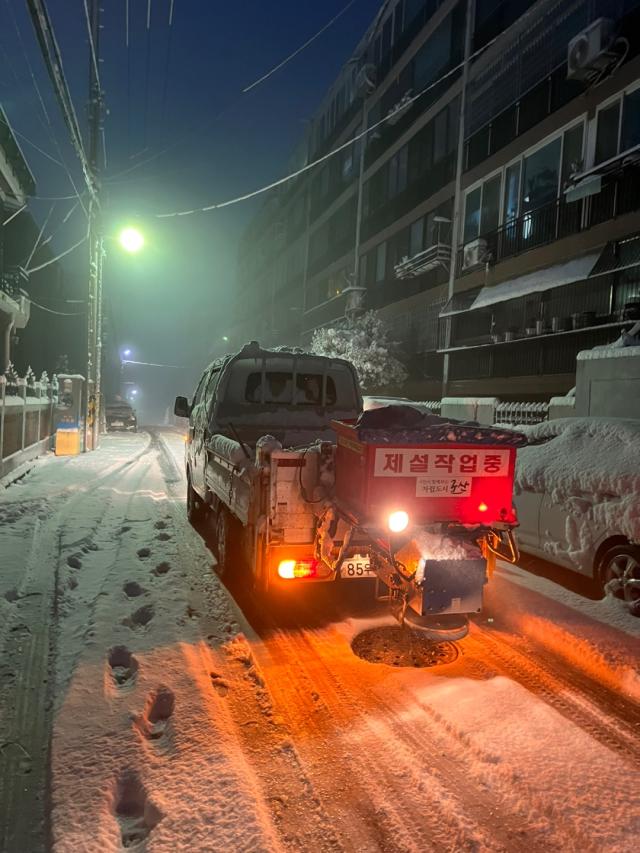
355, 567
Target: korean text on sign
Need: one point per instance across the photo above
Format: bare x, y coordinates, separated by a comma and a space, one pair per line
403, 462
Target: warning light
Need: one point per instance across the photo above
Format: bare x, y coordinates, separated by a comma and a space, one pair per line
482, 507
290, 569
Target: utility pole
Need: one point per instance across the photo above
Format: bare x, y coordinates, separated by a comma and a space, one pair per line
94, 314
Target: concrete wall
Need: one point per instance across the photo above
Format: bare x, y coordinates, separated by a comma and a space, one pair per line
608, 383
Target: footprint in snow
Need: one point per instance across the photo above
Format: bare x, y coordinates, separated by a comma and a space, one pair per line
163, 537
132, 589
11, 595
160, 525
154, 719
125, 529
124, 667
135, 813
143, 553
162, 569
219, 684
74, 562
141, 617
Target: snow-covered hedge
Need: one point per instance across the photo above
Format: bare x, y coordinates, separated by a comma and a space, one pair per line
364, 341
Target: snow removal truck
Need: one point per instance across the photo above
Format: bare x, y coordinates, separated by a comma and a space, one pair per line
299, 485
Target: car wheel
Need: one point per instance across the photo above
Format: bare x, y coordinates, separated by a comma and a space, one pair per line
226, 545
196, 508
620, 572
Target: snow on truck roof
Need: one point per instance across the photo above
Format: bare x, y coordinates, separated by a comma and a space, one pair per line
254, 350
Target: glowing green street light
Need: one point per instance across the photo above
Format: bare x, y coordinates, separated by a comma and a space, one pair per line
131, 240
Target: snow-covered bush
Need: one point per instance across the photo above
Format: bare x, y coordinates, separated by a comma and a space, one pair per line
364, 341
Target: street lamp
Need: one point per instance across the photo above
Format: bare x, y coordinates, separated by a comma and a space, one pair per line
131, 239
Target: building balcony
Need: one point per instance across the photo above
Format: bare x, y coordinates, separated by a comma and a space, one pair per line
619, 194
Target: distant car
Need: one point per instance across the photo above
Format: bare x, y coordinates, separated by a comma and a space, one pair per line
120, 417
379, 402
577, 495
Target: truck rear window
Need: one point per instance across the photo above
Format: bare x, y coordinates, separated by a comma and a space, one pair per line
279, 389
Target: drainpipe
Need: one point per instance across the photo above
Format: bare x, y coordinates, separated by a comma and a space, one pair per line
457, 199
363, 146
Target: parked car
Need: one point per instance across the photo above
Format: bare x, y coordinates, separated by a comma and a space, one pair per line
577, 495
120, 417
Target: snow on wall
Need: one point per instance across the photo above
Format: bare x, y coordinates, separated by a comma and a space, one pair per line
612, 351
591, 468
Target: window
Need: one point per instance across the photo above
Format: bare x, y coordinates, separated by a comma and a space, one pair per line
381, 262
416, 237
347, 164
490, 210
511, 192
572, 153
482, 209
433, 56
618, 127
540, 176
278, 389
472, 214
398, 172
607, 135
630, 132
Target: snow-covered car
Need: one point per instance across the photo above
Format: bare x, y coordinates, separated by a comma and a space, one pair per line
380, 402
577, 495
120, 417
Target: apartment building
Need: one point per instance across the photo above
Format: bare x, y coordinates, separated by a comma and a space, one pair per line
493, 263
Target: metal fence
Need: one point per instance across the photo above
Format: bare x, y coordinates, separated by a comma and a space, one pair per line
26, 416
518, 414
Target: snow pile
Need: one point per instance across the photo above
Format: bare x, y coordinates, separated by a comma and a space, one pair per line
590, 467
229, 449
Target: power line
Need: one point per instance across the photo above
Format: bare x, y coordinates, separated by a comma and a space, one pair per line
14, 214
39, 237
58, 257
299, 50
92, 46
32, 143
57, 313
361, 135
319, 160
53, 62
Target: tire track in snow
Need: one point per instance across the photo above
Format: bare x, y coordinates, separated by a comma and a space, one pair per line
446, 801
610, 719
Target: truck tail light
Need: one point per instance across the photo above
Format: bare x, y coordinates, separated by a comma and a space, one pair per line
290, 569
482, 507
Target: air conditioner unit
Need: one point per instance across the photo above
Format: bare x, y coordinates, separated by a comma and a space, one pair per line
474, 253
589, 52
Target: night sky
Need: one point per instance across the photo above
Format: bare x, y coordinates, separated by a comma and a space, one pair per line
202, 142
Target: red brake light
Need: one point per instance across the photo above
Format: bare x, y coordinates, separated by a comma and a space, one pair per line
482, 507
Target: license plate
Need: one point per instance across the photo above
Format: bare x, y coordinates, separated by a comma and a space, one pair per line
117, 423
357, 566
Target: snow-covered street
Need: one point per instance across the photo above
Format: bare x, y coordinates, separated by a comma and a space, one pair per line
143, 706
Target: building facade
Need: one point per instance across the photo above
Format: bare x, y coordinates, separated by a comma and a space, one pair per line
16, 184
490, 213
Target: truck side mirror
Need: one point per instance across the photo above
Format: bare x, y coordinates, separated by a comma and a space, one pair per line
181, 407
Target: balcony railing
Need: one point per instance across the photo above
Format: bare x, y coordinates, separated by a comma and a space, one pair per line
620, 194
12, 282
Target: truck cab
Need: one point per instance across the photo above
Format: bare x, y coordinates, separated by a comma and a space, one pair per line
288, 394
